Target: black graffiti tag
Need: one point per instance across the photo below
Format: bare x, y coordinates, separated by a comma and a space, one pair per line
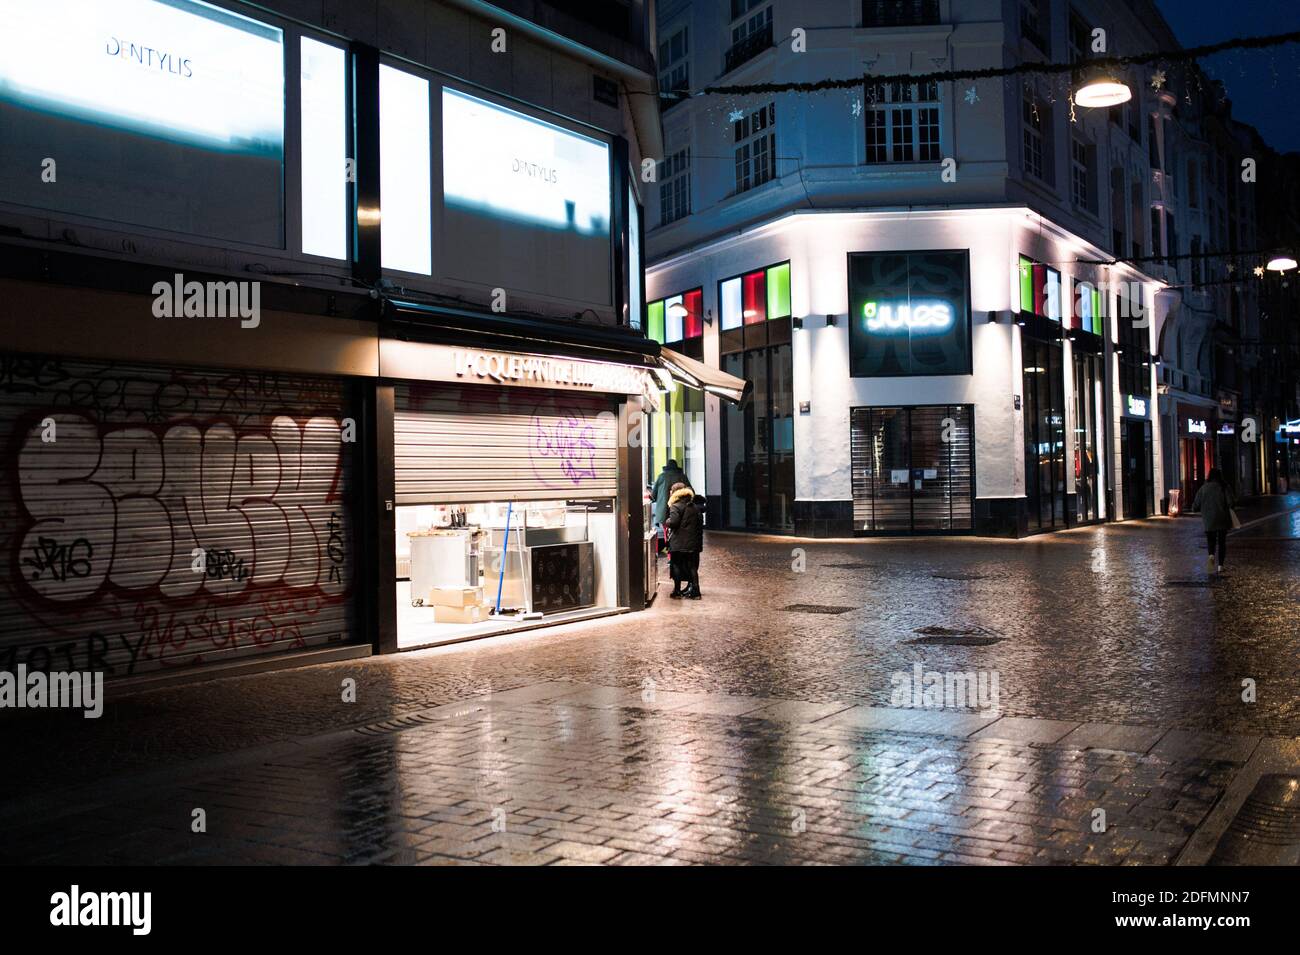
334, 548
60, 561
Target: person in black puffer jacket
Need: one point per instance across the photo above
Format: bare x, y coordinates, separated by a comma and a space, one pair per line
685, 523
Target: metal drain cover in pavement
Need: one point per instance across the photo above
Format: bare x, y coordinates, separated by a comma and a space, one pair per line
1191, 583
817, 608
1266, 829
955, 641
935, 636
852, 566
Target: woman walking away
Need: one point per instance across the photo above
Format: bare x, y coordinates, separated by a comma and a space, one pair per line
1215, 501
685, 541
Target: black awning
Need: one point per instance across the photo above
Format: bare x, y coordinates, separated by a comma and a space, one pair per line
451, 325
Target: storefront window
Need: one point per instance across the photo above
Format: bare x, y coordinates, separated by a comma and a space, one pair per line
1087, 417
478, 568
506, 511
1044, 418
676, 431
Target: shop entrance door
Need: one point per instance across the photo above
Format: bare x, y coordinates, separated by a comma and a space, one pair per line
758, 442
1136, 466
913, 469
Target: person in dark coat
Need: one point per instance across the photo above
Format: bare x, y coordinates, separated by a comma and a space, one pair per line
1215, 501
663, 486
685, 523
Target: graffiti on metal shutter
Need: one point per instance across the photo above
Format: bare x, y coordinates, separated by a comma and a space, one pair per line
177, 517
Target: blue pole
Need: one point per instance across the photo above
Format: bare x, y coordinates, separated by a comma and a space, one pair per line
505, 551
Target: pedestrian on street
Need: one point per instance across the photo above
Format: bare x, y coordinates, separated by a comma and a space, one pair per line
1215, 501
685, 523
663, 485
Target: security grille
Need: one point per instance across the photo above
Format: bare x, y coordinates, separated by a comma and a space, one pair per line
458, 445
157, 518
913, 468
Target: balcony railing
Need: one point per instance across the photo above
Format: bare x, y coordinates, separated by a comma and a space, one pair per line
747, 48
900, 13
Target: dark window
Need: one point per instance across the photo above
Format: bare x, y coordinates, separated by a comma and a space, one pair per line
751, 32
900, 13
675, 187
902, 122
755, 137
1034, 24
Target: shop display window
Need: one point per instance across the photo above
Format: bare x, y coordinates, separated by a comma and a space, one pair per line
468, 570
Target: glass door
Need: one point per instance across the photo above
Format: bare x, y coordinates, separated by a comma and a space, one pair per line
758, 441
912, 469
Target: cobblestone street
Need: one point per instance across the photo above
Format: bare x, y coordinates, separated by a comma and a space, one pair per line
760, 724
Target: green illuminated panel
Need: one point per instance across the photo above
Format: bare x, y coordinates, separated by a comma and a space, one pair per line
656, 320
778, 291
1026, 285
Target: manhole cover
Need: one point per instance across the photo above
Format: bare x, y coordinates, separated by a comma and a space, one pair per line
937, 636
1266, 829
817, 608
955, 640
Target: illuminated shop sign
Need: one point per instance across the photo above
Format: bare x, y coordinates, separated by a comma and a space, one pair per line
1197, 426
914, 316
157, 113
512, 166
1137, 406
519, 190
910, 313
1227, 428
179, 70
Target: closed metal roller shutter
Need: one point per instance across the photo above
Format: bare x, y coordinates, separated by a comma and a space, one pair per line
120, 472
912, 468
457, 445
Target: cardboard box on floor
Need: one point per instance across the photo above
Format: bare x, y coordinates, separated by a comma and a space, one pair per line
459, 597
474, 613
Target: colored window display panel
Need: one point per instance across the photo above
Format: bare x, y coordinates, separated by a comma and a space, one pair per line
731, 304
1053, 295
694, 321
655, 321
755, 298
778, 291
1026, 285
673, 319
1096, 312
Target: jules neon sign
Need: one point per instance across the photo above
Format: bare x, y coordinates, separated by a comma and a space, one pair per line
913, 316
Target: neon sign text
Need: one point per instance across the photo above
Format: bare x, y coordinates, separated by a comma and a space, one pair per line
892, 316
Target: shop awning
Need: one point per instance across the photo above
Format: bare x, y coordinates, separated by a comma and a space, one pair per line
696, 374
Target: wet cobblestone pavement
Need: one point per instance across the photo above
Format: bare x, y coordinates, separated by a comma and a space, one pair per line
730, 729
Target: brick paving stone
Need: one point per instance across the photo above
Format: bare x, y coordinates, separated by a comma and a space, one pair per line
760, 723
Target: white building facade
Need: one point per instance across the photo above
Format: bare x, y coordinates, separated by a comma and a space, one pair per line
919, 280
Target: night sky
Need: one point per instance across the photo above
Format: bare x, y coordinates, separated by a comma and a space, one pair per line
1258, 81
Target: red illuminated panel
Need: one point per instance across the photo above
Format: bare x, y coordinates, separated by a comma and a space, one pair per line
1040, 290
694, 321
755, 297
